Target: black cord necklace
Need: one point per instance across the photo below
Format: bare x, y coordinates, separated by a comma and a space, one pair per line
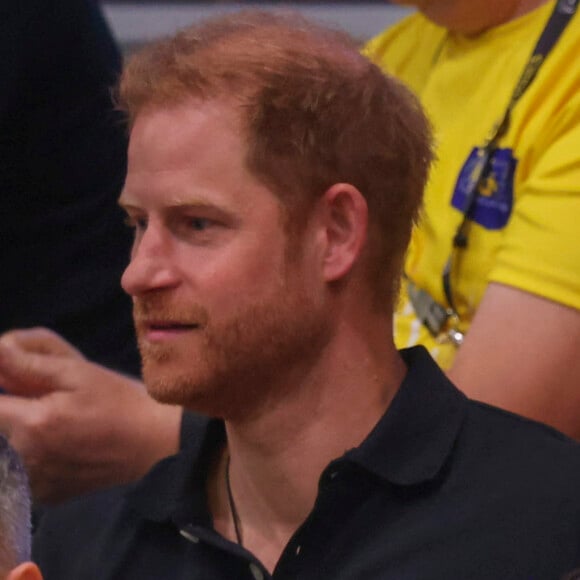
232, 504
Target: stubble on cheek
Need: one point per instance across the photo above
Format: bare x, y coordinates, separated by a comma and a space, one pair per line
235, 364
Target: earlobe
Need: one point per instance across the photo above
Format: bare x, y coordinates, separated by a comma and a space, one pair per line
345, 221
25, 571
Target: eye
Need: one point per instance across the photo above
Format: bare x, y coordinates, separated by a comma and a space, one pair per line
199, 224
135, 222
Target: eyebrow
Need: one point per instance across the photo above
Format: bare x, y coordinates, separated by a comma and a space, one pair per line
213, 210
123, 205
177, 202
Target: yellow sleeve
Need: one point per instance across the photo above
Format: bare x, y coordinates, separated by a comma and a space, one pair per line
540, 249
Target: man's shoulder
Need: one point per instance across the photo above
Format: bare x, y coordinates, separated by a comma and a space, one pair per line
83, 526
85, 510
483, 434
478, 446
78, 536
93, 536
502, 421
522, 451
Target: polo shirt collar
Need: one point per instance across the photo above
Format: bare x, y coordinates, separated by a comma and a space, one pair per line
415, 437
408, 446
175, 488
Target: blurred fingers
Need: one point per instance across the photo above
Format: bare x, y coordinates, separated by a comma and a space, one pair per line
39, 340
15, 414
29, 374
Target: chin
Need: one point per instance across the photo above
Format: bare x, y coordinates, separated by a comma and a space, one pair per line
223, 396
186, 390
166, 384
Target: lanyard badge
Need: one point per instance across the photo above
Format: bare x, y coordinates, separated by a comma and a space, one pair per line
440, 321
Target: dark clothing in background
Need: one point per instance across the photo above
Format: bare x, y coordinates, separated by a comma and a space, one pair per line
63, 245
443, 488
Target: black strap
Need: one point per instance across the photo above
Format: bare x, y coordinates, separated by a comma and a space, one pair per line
559, 19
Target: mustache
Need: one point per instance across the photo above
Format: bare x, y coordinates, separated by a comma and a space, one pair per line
160, 309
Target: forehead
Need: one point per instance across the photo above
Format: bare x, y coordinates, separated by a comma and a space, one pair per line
189, 132
191, 150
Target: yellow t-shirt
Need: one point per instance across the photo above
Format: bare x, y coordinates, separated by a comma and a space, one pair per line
526, 228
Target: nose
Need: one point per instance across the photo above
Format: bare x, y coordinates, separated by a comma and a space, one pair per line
151, 266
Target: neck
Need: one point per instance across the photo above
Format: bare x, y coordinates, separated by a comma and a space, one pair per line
276, 459
472, 17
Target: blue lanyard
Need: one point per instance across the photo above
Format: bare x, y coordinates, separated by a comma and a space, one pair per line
559, 19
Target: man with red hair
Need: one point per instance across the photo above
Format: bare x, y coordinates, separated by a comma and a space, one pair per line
274, 177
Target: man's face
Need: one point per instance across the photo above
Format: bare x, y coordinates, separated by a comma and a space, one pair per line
224, 303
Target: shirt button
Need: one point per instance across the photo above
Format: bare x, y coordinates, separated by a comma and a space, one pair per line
189, 536
298, 550
333, 474
256, 572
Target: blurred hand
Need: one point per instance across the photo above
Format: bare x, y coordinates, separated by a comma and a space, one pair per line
78, 426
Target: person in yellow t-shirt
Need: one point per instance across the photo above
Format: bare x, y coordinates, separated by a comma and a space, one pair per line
515, 341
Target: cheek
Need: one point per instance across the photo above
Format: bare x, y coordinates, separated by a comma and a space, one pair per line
234, 273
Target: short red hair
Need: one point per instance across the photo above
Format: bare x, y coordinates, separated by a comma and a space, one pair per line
315, 112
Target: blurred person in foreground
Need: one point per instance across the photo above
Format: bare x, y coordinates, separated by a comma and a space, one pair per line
274, 177
496, 297
15, 534
63, 161
63, 247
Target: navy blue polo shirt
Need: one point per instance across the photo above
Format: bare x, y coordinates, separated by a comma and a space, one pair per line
442, 488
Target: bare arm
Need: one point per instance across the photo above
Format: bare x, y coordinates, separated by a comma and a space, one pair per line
522, 353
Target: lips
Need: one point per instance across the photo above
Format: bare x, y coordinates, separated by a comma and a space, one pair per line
170, 326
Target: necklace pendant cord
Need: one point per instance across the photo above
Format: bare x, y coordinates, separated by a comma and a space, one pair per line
232, 505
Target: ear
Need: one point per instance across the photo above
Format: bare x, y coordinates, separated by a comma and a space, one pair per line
25, 571
345, 220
